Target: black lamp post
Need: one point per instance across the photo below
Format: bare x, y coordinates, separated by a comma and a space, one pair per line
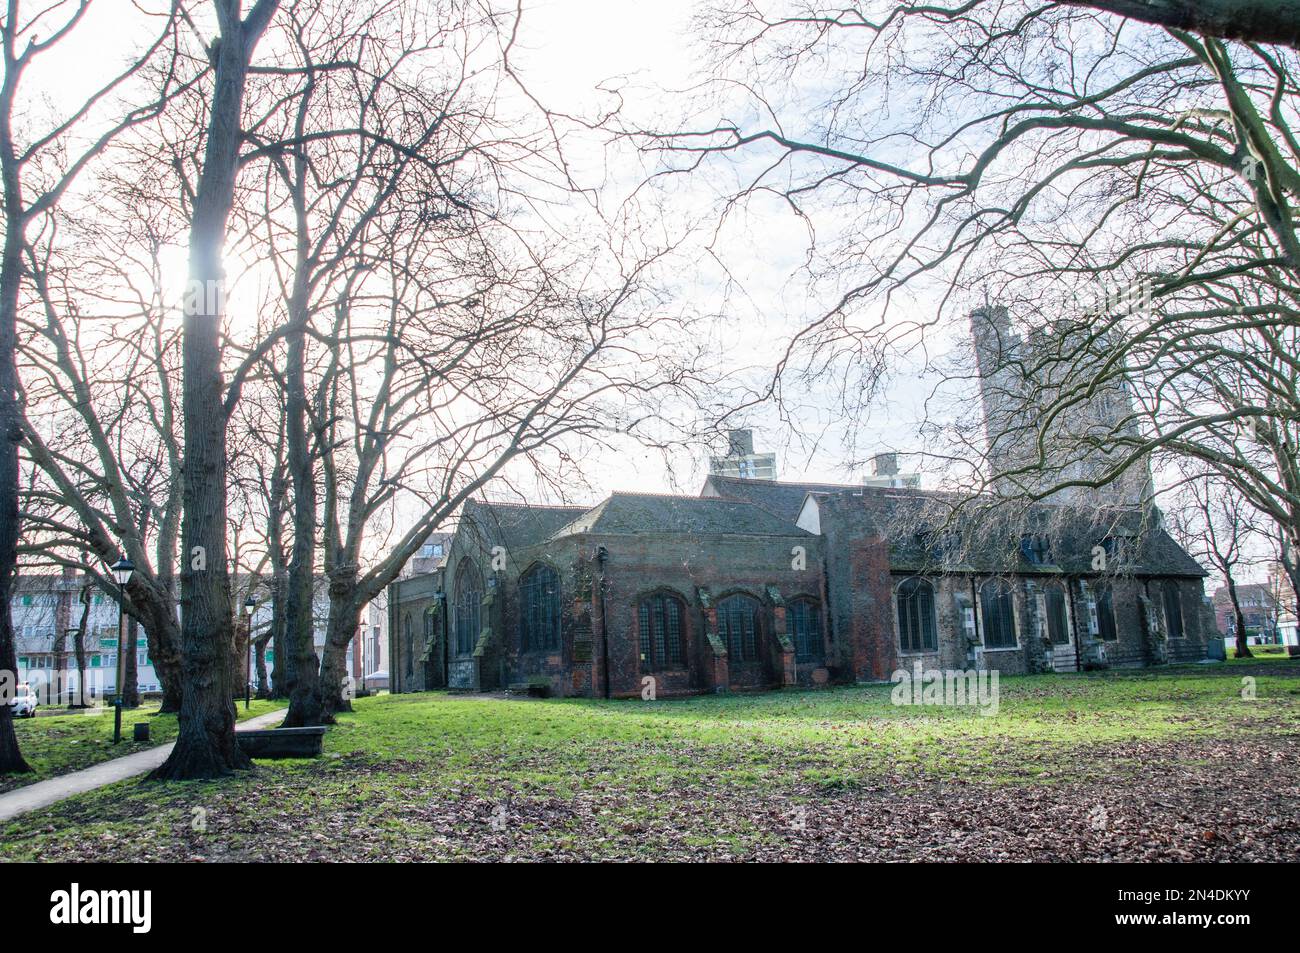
249, 605
122, 570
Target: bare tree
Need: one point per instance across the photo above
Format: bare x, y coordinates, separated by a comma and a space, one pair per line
261, 487
1216, 526
38, 167
1256, 21
1124, 192
101, 371
436, 326
205, 745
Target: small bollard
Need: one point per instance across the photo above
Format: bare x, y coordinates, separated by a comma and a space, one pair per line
142, 731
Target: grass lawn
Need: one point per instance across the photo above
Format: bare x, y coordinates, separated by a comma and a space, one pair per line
1141, 765
1265, 653
59, 744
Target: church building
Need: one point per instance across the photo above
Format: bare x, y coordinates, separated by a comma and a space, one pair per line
759, 584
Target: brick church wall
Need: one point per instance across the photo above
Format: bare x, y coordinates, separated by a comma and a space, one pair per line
848, 574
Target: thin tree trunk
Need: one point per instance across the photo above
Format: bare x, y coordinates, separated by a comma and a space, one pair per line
79, 649
239, 654
259, 652
131, 684
162, 628
1292, 569
1243, 647
304, 675
59, 682
279, 650
275, 540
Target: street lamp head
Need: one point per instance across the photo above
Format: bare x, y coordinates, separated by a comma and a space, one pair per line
122, 570
250, 604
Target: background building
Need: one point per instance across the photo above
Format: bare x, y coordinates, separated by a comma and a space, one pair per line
47, 611
1259, 608
741, 460
884, 473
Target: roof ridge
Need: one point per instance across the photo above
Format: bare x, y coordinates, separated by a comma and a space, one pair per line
534, 506
678, 496
766, 482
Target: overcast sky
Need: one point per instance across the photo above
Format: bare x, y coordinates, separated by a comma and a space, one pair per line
566, 50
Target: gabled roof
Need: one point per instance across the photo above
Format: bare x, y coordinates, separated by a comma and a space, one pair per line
781, 499
1254, 593
988, 536
516, 525
642, 513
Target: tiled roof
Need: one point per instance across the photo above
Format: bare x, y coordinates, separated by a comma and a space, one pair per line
641, 513
1255, 593
516, 525
782, 499
989, 537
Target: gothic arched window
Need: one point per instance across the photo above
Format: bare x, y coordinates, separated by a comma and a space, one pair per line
408, 646
916, 628
738, 625
659, 627
805, 618
468, 605
1173, 609
1106, 613
1058, 617
998, 615
429, 616
539, 609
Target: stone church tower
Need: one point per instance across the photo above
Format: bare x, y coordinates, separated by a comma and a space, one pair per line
1020, 378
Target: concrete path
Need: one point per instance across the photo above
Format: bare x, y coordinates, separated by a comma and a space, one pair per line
44, 793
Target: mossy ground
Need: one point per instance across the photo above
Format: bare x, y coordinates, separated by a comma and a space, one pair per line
1138, 764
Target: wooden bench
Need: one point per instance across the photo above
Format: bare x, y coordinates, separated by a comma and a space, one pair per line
281, 742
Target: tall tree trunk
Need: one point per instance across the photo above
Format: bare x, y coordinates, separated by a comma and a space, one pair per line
11, 267
279, 651
304, 675
162, 629
275, 537
205, 745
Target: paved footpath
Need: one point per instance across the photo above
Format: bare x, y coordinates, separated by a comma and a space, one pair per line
44, 793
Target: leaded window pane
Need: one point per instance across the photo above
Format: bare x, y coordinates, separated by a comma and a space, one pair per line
659, 624
1058, 621
468, 604
737, 616
999, 617
916, 624
539, 615
1173, 610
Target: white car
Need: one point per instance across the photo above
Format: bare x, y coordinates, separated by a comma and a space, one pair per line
24, 701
